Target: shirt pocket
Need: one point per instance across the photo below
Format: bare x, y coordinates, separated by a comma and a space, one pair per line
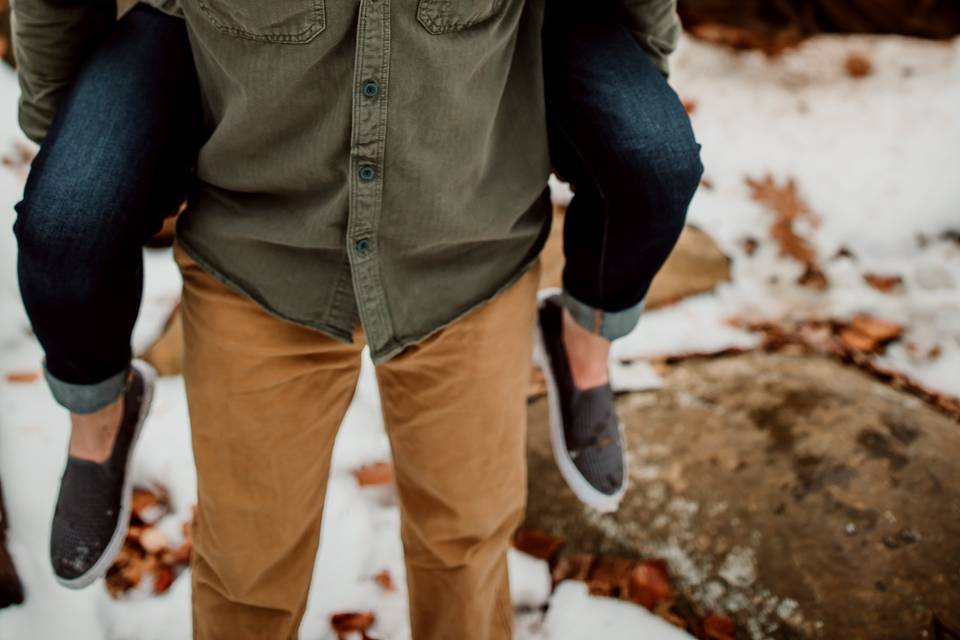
444, 16
279, 21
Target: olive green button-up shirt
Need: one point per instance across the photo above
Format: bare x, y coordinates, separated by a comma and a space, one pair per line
381, 161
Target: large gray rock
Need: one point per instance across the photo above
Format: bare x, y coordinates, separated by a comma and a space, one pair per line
799, 495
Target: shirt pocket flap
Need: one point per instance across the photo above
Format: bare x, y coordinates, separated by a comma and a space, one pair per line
445, 16
278, 21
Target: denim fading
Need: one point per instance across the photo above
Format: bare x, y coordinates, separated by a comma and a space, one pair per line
620, 134
116, 161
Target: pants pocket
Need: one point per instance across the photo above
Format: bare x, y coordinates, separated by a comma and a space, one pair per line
277, 21
445, 16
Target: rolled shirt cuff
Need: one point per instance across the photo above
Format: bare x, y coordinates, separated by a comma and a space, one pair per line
86, 398
609, 324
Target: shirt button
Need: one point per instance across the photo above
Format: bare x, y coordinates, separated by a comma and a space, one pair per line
371, 89
363, 246
367, 173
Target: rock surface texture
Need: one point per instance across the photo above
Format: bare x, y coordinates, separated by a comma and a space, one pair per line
796, 494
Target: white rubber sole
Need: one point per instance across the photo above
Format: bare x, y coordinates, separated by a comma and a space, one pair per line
585, 492
102, 565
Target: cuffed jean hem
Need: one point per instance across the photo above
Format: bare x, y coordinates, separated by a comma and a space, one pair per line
609, 324
86, 398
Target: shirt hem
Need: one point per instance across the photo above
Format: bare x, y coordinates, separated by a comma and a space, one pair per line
237, 287
397, 343
395, 347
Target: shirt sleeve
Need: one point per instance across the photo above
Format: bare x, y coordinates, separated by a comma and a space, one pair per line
655, 25
51, 39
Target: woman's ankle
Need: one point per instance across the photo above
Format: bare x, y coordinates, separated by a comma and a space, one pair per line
92, 435
588, 354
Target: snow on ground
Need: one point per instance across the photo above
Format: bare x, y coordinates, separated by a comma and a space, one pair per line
876, 158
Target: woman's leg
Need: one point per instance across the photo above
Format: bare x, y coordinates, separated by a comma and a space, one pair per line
113, 164
116, 160
621, 136
620, 133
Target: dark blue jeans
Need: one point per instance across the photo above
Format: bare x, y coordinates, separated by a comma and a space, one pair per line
116, 161
621, 136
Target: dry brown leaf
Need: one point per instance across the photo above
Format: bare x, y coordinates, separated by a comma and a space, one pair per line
351, 621
147, 506
770, 42
645, 583
660, 366
868, 334
376, 474
150, 564
134, 532
610, 577
385, 580
114, 586
537, 543
115, 581
750, 245
126, 572
880, 330
857, 341
133, 571
146, 550
844, 253
839, 340
857, 65
718, 628
886, 284
162, 579
813, 278
664, 610
649, 584
787, 206
182, 554
575, 566
23, 377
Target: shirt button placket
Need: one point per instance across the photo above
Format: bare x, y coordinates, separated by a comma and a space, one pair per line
370, 82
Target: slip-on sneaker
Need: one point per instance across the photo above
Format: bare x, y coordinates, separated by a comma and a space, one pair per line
585, 433
93, 508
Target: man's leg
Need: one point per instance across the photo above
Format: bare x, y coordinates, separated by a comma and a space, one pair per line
455, 410
266, 398
116, 160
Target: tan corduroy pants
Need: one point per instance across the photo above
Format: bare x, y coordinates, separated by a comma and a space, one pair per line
266, 398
